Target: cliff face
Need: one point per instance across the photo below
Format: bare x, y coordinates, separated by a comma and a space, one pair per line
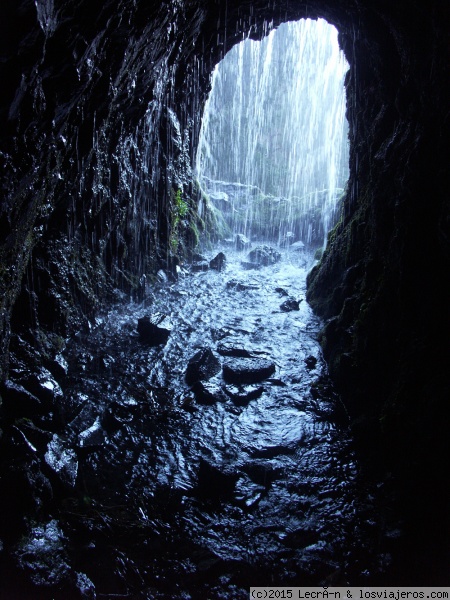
100, 111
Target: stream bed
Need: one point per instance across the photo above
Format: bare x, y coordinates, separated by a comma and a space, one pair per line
200, 490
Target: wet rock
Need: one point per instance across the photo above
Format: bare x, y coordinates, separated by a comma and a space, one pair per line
240, 286
248, 493
264, 255
242, 242
297, 246
281, 291
62, 461
300, 538
247, 370
243, 394
310, 362
154, 330
42, 556
162, 277
92, 437
202, 366
44, 386
25, 489
198, 267
19, 402
218, 262
227, 349
214, 481
208, 392
290, 304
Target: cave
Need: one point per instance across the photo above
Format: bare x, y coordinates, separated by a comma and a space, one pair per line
101, 110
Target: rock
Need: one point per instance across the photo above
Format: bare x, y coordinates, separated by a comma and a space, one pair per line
297, 246
242, 242
243, 394
247, 493
162, 277
154, 330
92, 437
227, 349
310, 362
218, 262
18, 402
198, 267
281, 291
43, 557
44, 386
214, 481
264, 255
241, 286
247, 370
208, 392
290, 304
62, 461
202, 366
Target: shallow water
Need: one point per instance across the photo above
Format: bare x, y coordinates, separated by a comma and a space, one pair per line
181, 499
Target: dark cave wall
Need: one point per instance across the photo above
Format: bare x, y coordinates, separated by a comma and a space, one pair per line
100, 110
382, 285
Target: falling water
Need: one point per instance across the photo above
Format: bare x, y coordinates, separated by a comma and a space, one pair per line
273, 149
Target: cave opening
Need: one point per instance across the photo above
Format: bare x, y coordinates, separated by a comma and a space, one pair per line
273, 148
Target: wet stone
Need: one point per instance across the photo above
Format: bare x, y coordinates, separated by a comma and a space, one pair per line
18, 402
310, 362
243, 394
228, 349
92, 437
242, 242
208, 392
264, 255
240, 286
214, 481
62, 461
202, 366
290, 304
42, 555
250, 266
218, 262
154, 330
247, 370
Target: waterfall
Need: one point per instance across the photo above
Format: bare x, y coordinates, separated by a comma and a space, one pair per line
273, 147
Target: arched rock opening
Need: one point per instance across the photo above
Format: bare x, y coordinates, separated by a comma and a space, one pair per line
100, 115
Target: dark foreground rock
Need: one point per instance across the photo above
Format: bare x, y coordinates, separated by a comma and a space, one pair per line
290, 304
247, 370
154, 330
202, 366
264, 255
219, 262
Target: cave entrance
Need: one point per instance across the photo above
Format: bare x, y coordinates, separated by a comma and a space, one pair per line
273, 149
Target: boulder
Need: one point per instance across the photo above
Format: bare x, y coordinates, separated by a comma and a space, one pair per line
247, 370
264, 255
154, 330
218, 262
290, 304
202, 366
242, 242
62, 461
